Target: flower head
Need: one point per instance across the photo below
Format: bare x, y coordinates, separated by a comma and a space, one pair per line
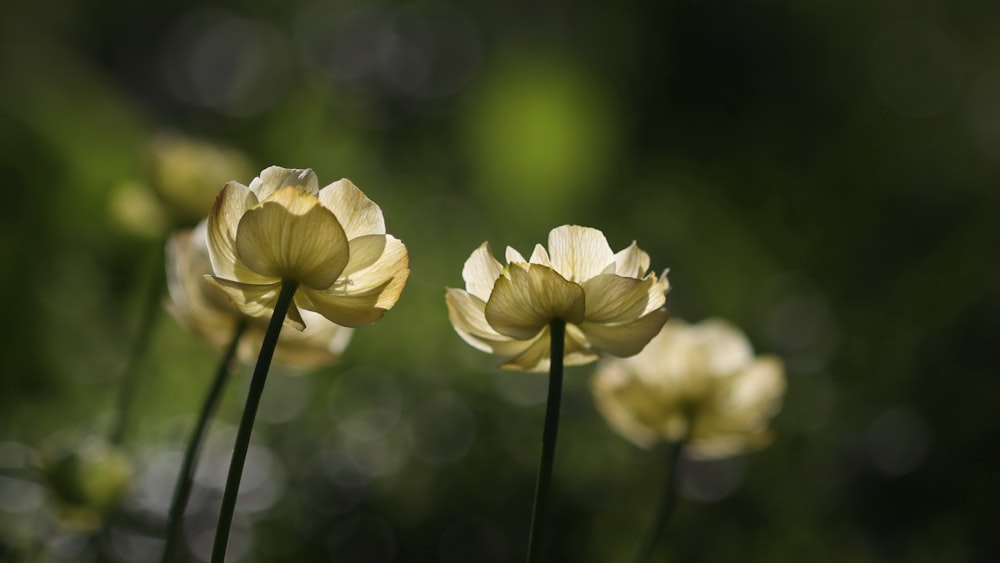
607, 300
330, 241
210, 314
701, 381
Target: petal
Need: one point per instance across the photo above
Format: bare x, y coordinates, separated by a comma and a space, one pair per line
536, 357
615, 299
357, 214
756, 392
527, 298
257, 300
374, 261
512, 256
275, 178
579, 253
468, 316
632, 262
291, 236
223, 219
725, 350
354, 309
625, 339
481, 271
540, 256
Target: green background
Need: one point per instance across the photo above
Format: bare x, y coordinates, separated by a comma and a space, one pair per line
823, 174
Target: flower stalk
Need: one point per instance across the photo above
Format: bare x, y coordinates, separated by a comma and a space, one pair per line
185, 478
150, 313
242, 445
557, 329
668, 501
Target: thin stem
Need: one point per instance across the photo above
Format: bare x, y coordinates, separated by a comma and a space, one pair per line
185, 479
232, 490
150, 314
535, 538
668, 501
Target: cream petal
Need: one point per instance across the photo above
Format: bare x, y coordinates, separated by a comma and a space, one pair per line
354, 308
756, 392
374, 261
275, 178
724, 348
223, 220
527, 298
257, 300
625, 339
291, 236
357, 214
512, 256
467, 315
536, 357
481, 271
615, 299
579, 253
632, 262
576, 349
540, 256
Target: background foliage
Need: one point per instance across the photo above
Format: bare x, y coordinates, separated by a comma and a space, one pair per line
824, 174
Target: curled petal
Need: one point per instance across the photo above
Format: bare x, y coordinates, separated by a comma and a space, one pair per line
632, 262
481, 271
257, 300
357, 214
291, 236
374, 261
537, 356
274, 178
467, 314
354, 308
625, 339
527, 298
615, 299
579, 253
223, 219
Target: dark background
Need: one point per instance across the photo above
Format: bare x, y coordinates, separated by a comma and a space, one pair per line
824, 174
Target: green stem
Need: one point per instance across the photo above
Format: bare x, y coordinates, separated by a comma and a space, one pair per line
535, 539
185, 479
232, 490
150, 313
668, 501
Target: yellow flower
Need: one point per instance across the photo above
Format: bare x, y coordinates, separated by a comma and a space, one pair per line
331, 241
607, 300
699, 380
209, 313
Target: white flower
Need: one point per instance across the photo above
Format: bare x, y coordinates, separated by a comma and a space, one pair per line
208, 312
700, 381
331, 242
607, 300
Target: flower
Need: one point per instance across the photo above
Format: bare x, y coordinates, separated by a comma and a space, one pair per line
607, 300
700, 381
209, 313
331, 242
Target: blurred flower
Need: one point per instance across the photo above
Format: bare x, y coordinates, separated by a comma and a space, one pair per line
331, 241
209, 313
186, 173
701, 381
607, 300
182, 177
86, 479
